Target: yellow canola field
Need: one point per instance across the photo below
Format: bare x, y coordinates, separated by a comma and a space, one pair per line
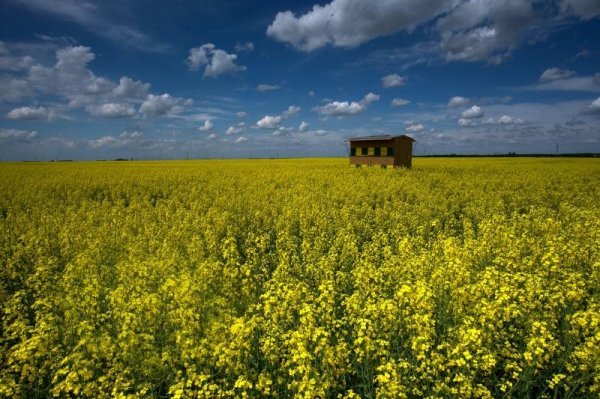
300, 278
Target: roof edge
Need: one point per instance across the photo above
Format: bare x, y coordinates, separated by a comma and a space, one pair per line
379, 138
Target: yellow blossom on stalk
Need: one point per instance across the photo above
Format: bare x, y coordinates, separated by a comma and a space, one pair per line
300, 278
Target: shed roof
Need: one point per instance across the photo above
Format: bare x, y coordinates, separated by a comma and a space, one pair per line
384, 137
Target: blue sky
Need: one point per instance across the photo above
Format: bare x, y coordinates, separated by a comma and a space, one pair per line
156, 79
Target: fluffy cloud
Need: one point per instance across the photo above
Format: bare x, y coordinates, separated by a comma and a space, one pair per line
468, 30
585, 9
303, 127
265, 87
208, 125
131, 89
70, 78
241, 114
132, 135
217, 62
462, 122
292, 110
125, 139
111, 110
507, 120
583, 83
457, 101
282, 131
269, 122
159, 105
105, 141
15, 134
393, 80
212, 136
349, 23
473, 112
14, 89
9, 62
233, 130
415, 128
484, 30
555, 74
399, 102
240, 139
345, 108
370, 98
30, 113
593, 107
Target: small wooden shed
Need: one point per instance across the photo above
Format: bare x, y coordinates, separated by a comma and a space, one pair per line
383, 150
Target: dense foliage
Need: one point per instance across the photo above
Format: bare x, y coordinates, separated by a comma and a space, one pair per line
300, 278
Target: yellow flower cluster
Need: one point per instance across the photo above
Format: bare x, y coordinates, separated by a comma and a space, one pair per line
300, 278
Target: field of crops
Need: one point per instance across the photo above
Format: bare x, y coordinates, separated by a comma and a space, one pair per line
300, 278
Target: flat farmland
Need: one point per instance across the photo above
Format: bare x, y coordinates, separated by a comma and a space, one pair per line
462, 277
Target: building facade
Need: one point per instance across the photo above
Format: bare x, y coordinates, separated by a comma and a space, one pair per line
395, 151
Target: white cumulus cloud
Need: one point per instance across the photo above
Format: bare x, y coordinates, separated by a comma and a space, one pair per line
125, 139
159, 105
15, 134
484, 30
71, 78
593, 107
269, 122
345, 108
585, 9
208, 125
30, 113
415, 128
216, 62
393, 80
233, 130
468, 30
473, 112
273, 121
555, 74
292, 110
240, 139
466, 122
131, 89
282, 131
399, 102
507, 120
303, 127
9, 62
457, 101
111, 110
349, 23
573, 83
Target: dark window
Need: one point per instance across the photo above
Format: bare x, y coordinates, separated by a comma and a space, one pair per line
353, 151
377, 151
390, 151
